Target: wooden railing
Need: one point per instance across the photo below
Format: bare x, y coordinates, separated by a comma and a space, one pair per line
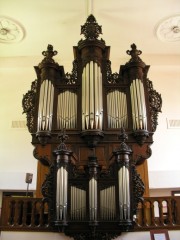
158, 212
32, 214
24, 213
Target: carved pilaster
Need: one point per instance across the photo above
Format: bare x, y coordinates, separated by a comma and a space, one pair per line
48, 184
155, 104
138, 188
71, 78
28, 104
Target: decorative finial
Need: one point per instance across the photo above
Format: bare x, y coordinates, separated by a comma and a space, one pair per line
63, 137
91, 29
123, 148
123, 136
134, 53
49, 53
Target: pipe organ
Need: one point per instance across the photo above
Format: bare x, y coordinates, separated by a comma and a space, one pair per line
92, 183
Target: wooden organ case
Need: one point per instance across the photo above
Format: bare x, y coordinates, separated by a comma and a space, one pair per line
94, 181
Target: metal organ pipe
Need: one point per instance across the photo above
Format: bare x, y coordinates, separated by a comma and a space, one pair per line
99, 83
91, 99
87, 97
92, 108
96, 88
138, 105
51, 105
67, 110
45, 110
93, 199
117, 109
120, 177
143, 104
78, 203
61, 194
124, 193
83, 102
107, 203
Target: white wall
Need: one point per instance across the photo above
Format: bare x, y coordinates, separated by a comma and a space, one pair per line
165, 192
164, 167
16, 150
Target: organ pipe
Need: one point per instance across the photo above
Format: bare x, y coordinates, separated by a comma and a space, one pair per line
117, 109
78, 203
107, 203
124, 193
45, 110
62, 167
61, 194
138, 105
93, 199
92, 108
67, 110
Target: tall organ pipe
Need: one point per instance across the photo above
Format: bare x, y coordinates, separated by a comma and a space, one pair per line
107, 203
123, 162
78, 203
93, 199
93, 196
138, 105
117, 109
45, 110
67, 110
62, 166
92, 109
61, 194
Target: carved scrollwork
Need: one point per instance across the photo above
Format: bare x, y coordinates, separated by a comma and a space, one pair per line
95, 236
28, 101
71, 78
140, 136
112, 78
155, 104
91, 29
108, 70
47, 186
74, 173
28, 104
138, 188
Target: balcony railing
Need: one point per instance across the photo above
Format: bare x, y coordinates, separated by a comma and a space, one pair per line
33, 214
25, 213
158, 212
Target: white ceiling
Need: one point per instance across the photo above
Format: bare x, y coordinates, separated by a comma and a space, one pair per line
58, 22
